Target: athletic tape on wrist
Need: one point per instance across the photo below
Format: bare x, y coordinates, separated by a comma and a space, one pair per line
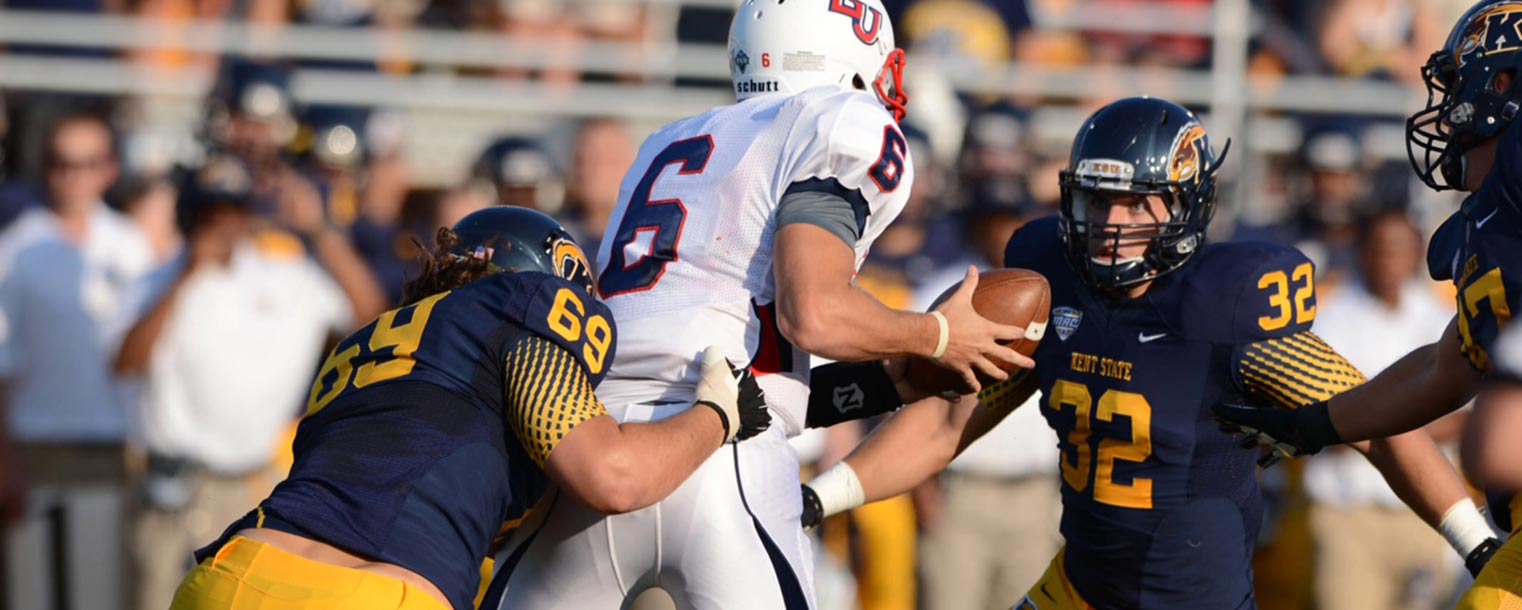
940, 344
1464, 527
838, 488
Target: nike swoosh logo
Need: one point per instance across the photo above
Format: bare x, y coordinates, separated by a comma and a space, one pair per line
1146, 338
1047, 593
1481, 222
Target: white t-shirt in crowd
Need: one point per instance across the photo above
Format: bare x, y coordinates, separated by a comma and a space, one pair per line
1372, 337
62, 318
237, 355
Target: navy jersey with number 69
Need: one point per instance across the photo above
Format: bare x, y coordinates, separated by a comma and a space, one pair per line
1160, 508
426, 430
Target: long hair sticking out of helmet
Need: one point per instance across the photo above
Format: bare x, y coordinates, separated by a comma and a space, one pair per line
443, 270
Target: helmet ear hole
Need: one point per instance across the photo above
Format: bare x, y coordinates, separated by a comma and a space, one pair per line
1503, 81
858, 83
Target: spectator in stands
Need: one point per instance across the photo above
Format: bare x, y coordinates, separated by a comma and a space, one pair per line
603, 152
519, 171
1327, 193
1380, 38
974, 551
150, 203
1370, 551
229, 335
63, 270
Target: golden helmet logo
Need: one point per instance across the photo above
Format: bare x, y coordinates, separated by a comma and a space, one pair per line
569, 259
1497, 30
1188, 150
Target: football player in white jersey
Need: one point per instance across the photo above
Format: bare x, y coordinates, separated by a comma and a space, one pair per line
743, 227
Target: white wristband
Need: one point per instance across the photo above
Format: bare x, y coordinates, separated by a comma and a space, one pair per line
1464, 527
838, 488
940, 344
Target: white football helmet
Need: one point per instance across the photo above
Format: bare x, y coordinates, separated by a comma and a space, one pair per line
787, 46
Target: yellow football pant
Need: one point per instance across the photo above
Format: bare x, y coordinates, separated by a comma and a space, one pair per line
1053, 591
250, 575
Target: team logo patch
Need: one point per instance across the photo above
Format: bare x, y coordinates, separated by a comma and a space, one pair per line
1065, 320
740, 60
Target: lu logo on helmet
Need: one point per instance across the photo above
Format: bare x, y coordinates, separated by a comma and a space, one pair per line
858, 11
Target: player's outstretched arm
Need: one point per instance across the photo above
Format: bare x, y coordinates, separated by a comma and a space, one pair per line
821, 311
916, 443
615, 468
1300, 372
1426, 384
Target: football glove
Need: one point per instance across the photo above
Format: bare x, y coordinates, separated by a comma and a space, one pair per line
734, 395
813, 509
1481, 555
1287, 433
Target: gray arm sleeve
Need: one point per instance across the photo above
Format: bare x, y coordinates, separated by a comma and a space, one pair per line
825, 210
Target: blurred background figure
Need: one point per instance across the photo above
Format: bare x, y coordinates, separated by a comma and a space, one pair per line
519, 171
603, 151
1370, 550
64, 269
228, 336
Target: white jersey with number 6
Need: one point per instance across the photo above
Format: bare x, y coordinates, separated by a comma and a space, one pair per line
687, 260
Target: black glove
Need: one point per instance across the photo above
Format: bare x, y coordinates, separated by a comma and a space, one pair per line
755, 418
813, 509
1291, 433
1481, 555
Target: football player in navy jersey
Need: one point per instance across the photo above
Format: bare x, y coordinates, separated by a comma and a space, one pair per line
1152, 328
444, 421
1464, 139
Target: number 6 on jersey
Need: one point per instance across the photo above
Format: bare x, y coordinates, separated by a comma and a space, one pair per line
650, 231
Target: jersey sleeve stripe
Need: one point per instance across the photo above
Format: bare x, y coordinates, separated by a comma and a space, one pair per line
1291, 360
1296, 370
548, 394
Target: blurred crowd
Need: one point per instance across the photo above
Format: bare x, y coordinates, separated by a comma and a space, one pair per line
164, 301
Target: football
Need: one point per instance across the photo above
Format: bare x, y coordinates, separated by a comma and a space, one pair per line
1017, 297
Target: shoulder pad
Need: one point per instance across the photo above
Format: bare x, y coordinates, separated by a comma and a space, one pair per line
1036, 246
1268, 289
1443, 250
852, 139
555, 309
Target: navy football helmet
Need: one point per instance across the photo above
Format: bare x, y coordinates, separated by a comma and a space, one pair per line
1138, 146
1463, 106
517, 239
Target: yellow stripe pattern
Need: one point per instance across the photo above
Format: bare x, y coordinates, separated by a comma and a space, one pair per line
1005, 396
1296, 370
548, 394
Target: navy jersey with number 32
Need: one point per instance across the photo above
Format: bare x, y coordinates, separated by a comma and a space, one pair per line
1160, 508
407, 455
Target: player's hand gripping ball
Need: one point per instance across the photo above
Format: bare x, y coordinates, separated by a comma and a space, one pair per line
1017, 297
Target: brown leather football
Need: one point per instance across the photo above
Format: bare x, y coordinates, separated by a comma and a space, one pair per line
1018, 297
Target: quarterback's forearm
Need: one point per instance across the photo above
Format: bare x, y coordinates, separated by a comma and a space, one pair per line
822, 312
1426, 384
